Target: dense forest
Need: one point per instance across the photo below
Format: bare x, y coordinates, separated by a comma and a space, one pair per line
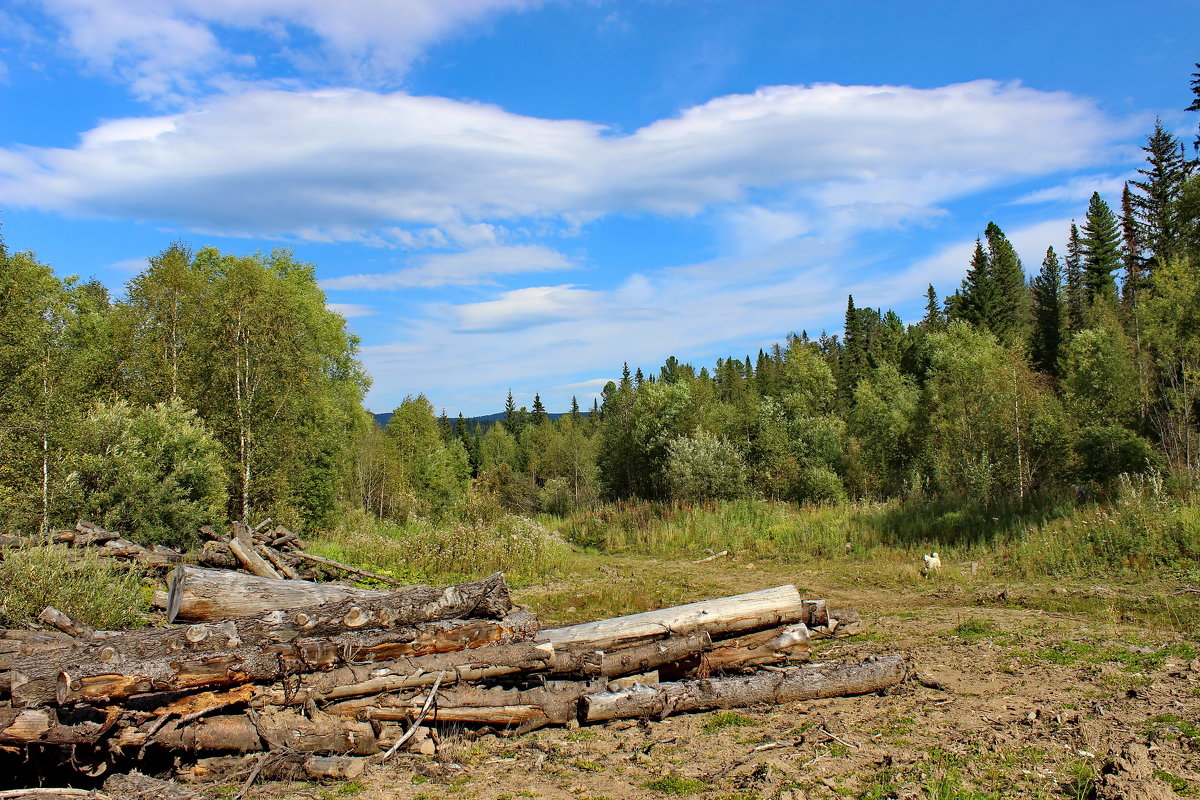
221, 387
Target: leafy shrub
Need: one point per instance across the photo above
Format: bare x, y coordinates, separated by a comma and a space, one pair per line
1106, 451
77, 583
152, 473
702, 467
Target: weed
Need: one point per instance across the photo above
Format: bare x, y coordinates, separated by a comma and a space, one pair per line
351, 788
974, 627
1169, 725
589, 766
1081, 782
726, 719
78, 583
676, 784
1178, 785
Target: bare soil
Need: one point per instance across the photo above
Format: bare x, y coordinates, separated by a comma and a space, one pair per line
1005, 699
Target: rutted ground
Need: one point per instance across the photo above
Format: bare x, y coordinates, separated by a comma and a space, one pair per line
1004, 701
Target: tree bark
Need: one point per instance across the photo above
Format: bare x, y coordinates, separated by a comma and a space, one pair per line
772, 688
726, 616
556, 703
251, 560
202, 595
167, 659
630, 660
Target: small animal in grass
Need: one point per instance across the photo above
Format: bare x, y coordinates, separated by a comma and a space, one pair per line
932, 564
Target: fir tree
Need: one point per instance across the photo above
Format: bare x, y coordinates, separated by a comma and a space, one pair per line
1049, 314
1074, 279
934, 319
1156, 204
538, 415
977, 297
510, 413
1010, 303
1100, 247
1132, 248
574, 408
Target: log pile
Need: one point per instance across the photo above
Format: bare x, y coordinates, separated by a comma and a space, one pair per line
321, 675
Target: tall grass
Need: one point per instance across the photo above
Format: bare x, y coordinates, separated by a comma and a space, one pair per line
99, 592
1138, 529
422, 551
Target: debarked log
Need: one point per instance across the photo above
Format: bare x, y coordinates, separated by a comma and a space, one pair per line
787, 643
630, 660
200, 595
277, 730
773, 688
726, 616
278, 767
64, 676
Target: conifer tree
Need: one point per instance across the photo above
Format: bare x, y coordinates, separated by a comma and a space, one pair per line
1156, 203
574, 408
854, 349
1132, 251
934, 319
1100, 248
976, 299
538, 415
1010, 303
1049, 314
510, 413
1074, 279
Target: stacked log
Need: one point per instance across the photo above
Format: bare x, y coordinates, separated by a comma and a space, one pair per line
324, 674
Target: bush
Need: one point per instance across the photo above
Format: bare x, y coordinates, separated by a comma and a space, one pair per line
703, 467
78, 583
1107, 451
820, 485
152, 473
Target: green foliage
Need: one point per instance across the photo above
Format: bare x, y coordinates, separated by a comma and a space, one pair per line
96, 591
155, 474
703, 466
726, 719
676, 784
1098, 374
1105, 452
1100, 248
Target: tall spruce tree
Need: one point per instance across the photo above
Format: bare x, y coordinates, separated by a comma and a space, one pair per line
976, 298
1132, 252
1049, 314
538, 415
1156, 203
1100, 247
1010, 305
1074, 279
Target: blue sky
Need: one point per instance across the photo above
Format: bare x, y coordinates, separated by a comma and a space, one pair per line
512, 193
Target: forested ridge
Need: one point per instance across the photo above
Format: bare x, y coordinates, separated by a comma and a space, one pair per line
220, 387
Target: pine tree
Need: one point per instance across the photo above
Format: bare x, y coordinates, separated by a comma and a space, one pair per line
510, 413
1049, 314
1195, 106
977, 297
1074, 279
1010, 305
934, 319
1156, 204
1131, 253
854, 349
574, 408
538, 415
1100, 247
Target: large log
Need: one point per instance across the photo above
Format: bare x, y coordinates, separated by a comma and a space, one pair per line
769, 688
726, 616
183, 658
251, 560
276, 730
556, 703
204, 595
630, 660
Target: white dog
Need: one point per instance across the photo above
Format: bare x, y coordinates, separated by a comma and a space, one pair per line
932, 564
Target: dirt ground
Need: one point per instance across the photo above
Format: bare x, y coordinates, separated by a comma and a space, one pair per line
1004, 699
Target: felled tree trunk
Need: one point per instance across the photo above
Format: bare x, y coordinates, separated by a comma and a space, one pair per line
727, 616
630, 660
204, 595
144, 661
772, 688
556, 703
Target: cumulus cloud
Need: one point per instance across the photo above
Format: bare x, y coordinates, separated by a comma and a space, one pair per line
172, 47
348, 164
458, 269
525, 308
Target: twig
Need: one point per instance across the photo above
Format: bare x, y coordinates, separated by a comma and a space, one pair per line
836, 739
772, 746
408, 734
15, 794
710, 558
1186, 590
328, 562
262, 759
150, 734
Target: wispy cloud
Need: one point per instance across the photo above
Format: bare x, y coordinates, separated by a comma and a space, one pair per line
458, 269
172, 48
348, 164
351, 310
1077, 189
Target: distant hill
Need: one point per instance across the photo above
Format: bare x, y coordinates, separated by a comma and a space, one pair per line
484, 422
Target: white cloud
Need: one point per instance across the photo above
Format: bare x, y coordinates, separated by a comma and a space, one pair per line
351, 310
172, 47
1079, 188
351, 165
458, 269
525, 308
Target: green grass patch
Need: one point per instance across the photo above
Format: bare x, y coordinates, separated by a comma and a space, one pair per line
97, 591
1170, 726
1180, 786
973, 628
676, 784
726, 719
